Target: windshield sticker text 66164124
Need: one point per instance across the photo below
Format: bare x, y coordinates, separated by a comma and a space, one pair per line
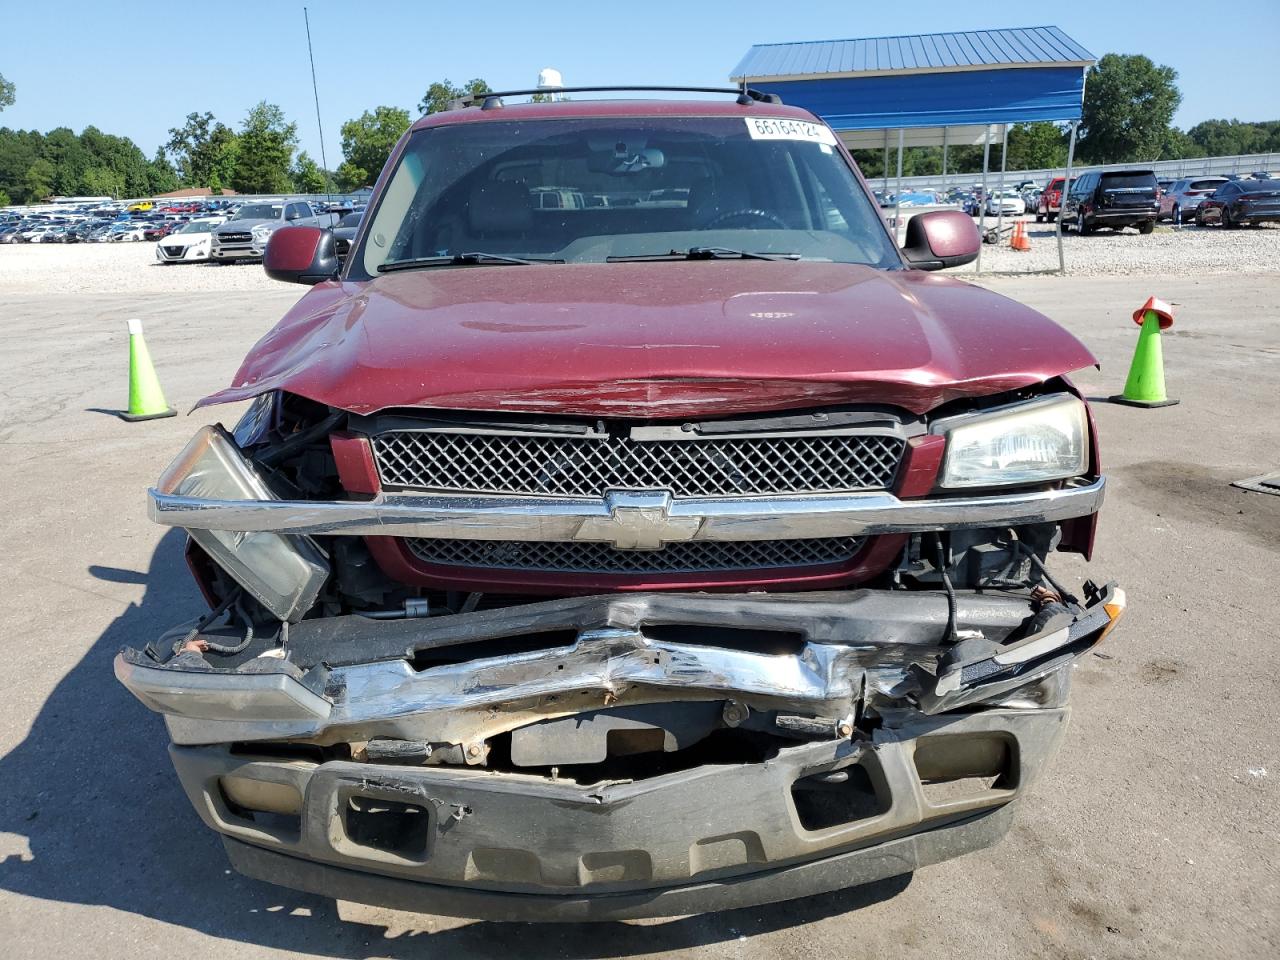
780, 128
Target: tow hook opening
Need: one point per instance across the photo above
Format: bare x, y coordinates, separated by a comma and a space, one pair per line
956, 768
391, 826
839, 797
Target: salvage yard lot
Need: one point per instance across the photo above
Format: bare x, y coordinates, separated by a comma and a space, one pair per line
1153, 834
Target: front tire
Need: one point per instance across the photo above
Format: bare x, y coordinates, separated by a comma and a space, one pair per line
1226, 219
1082, 226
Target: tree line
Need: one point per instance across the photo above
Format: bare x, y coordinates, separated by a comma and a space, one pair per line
1127, 118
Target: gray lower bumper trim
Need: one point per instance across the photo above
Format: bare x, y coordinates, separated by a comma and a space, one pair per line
888, 859
623, 517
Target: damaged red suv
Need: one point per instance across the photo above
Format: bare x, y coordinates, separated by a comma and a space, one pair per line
627, 527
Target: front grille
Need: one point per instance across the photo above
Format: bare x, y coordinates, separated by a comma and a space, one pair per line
234, 237
699, 556
174, 251
587, 467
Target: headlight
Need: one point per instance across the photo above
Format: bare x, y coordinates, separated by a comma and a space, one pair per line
261, 233
283, 572
1032, 442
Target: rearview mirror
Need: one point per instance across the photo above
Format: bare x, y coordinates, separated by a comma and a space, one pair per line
941, 239
301, 255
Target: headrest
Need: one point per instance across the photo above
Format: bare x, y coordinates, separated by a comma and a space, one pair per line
500, 206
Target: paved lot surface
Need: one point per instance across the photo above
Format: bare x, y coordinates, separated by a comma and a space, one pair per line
1153, 835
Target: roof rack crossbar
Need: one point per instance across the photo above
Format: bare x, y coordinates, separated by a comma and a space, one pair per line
746, 96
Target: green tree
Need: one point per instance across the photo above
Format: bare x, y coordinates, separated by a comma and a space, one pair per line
7, 90
1225, 138
1129, 102
4, 199
163, 177
309, 176
265, 154
202, 148
1036, 146
38, 182
442, 92
103, 181
367, 142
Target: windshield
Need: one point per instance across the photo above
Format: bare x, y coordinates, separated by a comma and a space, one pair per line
259, 211
1128, 181
195, 228
586, 190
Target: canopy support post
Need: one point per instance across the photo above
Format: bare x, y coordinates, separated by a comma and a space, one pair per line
897, 196
944, 154
1062, 202
982, 206
884, 167
1004, 153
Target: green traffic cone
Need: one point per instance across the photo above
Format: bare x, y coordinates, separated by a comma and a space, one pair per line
1145, 384
146, 399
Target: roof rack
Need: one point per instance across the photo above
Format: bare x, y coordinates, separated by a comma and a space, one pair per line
493, 99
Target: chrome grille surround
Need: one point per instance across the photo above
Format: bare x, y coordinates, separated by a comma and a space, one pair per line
692, 557
576, 466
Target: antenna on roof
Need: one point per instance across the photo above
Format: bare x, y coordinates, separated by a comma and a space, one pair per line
324, 162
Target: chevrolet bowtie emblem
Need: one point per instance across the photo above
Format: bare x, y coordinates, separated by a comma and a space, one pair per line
639, 520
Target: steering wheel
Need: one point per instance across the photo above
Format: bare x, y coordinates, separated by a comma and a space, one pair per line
745, 212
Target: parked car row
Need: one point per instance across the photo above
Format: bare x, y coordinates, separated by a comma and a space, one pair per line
183, 232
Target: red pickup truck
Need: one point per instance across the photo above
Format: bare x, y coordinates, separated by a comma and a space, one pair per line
682, 549
1049, 205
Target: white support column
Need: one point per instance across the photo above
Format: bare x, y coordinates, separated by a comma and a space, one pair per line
1004, 153
897, 197
982, 207
1062, 202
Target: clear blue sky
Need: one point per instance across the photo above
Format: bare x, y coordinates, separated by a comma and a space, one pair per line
137, 68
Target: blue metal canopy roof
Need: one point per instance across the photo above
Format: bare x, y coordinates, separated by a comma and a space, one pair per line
980, 77
927, 52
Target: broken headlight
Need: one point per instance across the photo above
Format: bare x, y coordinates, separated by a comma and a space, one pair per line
282, 572
1032, 442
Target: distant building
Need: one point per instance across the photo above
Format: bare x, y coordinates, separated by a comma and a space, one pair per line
193, 193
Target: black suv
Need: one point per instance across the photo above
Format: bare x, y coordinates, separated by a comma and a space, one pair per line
1114, 198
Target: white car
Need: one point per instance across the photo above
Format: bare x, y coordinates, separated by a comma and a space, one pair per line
128, 234
1007, 202
190, 243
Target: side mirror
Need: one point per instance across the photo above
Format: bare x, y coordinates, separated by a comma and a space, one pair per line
301, 255
943, 238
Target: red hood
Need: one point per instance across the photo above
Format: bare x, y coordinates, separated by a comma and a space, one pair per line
669, 339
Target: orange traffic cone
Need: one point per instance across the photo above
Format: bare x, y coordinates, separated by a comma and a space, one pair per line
1019, 240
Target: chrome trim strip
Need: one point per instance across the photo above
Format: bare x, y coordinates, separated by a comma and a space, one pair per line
468, 702
550, 518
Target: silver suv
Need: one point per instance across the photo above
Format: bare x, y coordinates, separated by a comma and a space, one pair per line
1181, 200
245, 236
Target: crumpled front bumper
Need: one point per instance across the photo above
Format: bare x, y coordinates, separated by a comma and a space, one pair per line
523, 848
899, 779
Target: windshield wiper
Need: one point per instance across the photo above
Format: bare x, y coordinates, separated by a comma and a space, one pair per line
705, 253
475, 258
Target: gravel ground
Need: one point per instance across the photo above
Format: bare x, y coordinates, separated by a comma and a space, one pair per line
132, 267
1191, 249
118, 268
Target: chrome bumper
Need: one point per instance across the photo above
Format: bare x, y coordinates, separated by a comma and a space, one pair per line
629, 520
